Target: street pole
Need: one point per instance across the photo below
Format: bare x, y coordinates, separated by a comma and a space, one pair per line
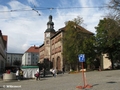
82, 60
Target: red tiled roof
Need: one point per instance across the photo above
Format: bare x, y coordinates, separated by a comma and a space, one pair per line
33, 49
5, 37
80, 28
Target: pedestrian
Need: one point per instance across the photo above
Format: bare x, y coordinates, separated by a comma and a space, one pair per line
8, 71
63, 70
20, 74
17, 75
37, 75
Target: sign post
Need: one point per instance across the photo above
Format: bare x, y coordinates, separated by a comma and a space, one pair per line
82, 59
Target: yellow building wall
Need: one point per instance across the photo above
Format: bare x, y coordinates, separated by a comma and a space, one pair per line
106, 62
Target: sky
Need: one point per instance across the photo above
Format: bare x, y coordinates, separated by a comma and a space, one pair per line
25, 21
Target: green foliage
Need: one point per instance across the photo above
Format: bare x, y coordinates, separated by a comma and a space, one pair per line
69, 42
89, 49
108, 37
76, 42
114, 10
78, 20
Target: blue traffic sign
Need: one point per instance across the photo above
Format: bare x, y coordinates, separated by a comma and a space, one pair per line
81, 57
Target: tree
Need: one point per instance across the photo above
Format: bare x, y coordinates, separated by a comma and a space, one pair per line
68, 43
108, 38
114, 4
114, 7
76, 41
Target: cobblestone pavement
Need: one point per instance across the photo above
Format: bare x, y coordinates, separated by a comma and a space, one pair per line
100, 80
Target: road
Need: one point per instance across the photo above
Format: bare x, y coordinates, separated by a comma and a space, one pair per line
100, 80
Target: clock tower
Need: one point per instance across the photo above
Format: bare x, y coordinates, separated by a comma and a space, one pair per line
50, 28
47, 35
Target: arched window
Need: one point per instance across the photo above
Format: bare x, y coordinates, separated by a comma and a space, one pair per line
58, 63
53, 60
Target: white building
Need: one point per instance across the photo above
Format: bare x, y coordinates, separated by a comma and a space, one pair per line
31, 56
3, 49
12, 57
106, 62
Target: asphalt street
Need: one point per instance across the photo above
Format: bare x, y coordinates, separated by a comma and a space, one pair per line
99, 80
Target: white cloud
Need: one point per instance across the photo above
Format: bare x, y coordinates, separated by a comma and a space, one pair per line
34, 2
24, 46
16, 5
90, 16
26, 28
23, 31
5, 14
22, 28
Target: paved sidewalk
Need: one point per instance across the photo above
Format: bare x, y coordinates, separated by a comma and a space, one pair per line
100, 80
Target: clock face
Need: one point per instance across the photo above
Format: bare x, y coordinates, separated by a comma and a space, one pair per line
47, 34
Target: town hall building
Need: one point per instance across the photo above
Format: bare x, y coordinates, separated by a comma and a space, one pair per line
52, 48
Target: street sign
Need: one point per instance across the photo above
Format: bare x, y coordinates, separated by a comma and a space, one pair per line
81, 57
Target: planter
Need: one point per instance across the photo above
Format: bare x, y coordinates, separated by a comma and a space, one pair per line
9, 76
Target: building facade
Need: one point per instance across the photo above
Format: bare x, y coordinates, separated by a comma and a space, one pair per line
31, 56
52, 48
105, 62
3, 50
14, 59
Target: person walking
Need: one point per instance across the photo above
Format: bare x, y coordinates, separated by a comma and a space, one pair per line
17, 75
37, 75
20, 74
63, 70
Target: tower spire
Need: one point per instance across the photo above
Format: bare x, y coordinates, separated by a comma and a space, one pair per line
50, 25
50, 18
